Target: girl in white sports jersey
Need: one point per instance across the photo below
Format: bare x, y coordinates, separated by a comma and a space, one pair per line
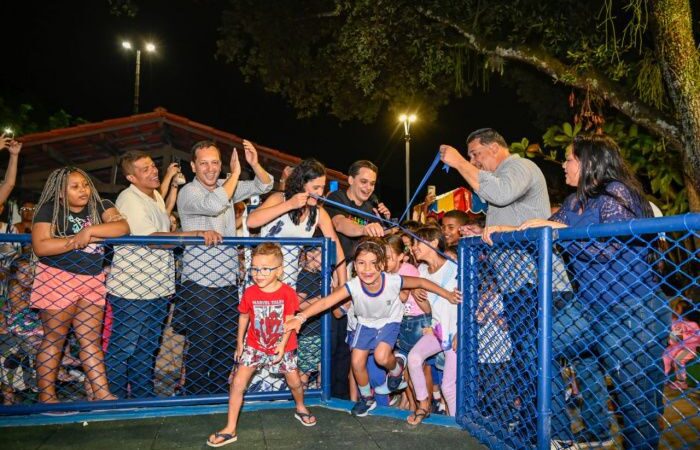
294, 213
379, 310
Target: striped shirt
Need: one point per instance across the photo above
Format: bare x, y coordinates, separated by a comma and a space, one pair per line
202, 209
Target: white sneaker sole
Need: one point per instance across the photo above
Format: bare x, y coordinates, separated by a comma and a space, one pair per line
374, 405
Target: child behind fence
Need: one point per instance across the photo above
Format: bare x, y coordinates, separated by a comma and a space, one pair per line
309, 291
494, 354
416, 316
683, 343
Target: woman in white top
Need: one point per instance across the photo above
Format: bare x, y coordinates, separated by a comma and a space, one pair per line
294, 213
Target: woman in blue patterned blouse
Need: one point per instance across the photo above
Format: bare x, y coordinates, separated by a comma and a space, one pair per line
620, 314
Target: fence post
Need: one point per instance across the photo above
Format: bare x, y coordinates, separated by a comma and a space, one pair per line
544, 341
467, 346
328, 259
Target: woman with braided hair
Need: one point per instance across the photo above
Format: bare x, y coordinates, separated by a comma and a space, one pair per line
69, 288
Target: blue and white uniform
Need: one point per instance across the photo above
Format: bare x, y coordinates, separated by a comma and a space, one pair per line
378, 314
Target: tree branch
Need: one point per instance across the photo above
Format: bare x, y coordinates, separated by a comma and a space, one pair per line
617, 96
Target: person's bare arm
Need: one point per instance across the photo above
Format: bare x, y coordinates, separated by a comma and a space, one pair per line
451, 156
251, 156
335, 297
349, 228
8, 184
453, 297
170, 172
243, 321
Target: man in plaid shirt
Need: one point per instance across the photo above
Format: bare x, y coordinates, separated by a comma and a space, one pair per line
209, 294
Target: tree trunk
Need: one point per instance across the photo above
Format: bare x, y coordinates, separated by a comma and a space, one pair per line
680, 63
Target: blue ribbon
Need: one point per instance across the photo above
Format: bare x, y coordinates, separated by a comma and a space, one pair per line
359, 212
432, 167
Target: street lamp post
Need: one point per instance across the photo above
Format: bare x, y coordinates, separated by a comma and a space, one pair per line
150, 48
407, 120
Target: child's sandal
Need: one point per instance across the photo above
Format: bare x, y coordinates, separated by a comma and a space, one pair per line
419, 416
305, 418
227, 439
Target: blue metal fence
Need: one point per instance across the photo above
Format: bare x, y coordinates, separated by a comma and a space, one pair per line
191, 333
596, 304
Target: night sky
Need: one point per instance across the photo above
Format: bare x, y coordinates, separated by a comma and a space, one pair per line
68, 55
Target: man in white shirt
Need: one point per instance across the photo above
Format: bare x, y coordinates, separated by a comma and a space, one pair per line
141, 281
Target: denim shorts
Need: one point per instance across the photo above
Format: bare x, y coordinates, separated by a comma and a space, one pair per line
411, 331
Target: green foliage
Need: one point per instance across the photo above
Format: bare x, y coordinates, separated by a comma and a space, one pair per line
25, 119
126, 8
357, 58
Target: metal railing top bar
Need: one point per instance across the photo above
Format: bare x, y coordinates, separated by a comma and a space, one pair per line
685, 222
529, 235
172, 240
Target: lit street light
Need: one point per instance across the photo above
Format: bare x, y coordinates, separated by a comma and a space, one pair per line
407, 120
150, 48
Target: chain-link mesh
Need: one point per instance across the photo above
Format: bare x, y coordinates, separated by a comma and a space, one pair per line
142, 318
623, 321
499, 373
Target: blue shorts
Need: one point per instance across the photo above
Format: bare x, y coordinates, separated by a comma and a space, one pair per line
367, 338
349, 338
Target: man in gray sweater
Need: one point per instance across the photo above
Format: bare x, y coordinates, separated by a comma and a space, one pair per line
515, 190
513, 187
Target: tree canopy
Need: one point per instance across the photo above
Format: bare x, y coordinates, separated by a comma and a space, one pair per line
354, 59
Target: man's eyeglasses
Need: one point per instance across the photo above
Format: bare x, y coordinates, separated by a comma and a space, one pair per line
264, 271
26, 209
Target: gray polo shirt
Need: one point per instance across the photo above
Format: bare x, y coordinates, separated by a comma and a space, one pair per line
516, 191
202, 209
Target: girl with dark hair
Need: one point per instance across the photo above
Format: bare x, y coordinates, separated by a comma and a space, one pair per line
378, 307
622, 314
440, 337
68, 288
416, 315
295, 213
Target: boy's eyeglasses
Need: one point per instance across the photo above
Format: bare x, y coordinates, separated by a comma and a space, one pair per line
264, 271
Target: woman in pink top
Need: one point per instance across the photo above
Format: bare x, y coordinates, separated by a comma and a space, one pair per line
416, 314
682, 344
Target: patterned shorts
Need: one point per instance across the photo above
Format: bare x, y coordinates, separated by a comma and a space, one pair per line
253, 357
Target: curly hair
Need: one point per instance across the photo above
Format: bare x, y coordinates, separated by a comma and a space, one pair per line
305, 171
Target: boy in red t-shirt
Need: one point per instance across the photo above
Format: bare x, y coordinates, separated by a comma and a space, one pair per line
266, 305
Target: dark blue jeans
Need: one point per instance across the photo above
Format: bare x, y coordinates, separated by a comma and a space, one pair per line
210, 315
626, 341
133, 345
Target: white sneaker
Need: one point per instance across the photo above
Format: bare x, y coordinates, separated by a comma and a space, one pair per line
573, 445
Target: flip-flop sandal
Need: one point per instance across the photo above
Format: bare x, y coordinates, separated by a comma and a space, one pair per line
420, 414
300, 416
227, 439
